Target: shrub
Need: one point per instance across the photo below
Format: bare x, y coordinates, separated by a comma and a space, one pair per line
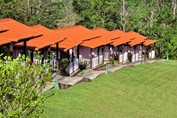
21, 84
63, 64
130, 57
111, 60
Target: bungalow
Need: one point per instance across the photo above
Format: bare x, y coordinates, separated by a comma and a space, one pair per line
120, 46
151, 52
15, 32
70, 49
43, 44
136, 46
106, 35
96, 50
88, 49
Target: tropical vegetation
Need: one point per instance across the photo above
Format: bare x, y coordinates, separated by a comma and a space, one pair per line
21, 84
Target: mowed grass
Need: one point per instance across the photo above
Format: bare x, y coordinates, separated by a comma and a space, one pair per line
144, 91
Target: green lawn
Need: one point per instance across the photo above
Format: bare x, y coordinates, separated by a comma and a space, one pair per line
144, 91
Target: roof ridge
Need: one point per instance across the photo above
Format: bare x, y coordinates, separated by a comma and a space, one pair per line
70, 27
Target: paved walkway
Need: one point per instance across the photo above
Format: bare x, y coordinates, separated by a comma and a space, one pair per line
89, 75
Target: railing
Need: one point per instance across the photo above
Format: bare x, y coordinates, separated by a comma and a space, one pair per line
76, 64
94, 62
37, 61
100, 59
106, 56
125, 56
120, 58
137, 56
133, 56
152, 54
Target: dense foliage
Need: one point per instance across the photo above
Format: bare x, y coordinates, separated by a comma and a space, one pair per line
21, 84
155, 19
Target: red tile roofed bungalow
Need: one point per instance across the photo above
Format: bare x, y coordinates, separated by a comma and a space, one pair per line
97, 48
69, 49
15, 32
43, 44
87, 51
105, 36
136, 46
150, 52
121, 46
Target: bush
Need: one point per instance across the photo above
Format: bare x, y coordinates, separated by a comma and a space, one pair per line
130, 57
21, 85
63, 64
111, 60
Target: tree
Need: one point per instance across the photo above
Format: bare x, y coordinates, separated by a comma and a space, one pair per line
99, 13
21, 84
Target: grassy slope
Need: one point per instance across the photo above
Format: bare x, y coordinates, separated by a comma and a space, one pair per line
143, 91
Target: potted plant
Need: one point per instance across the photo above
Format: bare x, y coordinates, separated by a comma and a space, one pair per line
63, 64
83, 64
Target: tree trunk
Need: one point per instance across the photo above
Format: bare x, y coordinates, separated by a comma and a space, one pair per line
174, 6
123, 15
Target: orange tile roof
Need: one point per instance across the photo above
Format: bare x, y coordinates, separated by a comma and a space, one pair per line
68, 44
77, 33
3, 29
4, 41
135, 34
124, 38
16, 26
149, 42
96, 42
16, 31
103, 32
138, 38
48, 38
14, 36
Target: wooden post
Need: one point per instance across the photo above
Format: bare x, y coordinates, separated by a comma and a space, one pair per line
61, 55
122, 54
113, 52
68, 56
32, 56
73, 58
154, 51
103, 53
145, 53
57, 50
91, 50
98, 53
109, 52
42, 53
135, 52
57, 56
118, 54
48, 53
142, 51
11, 50
25, 48
78, 49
